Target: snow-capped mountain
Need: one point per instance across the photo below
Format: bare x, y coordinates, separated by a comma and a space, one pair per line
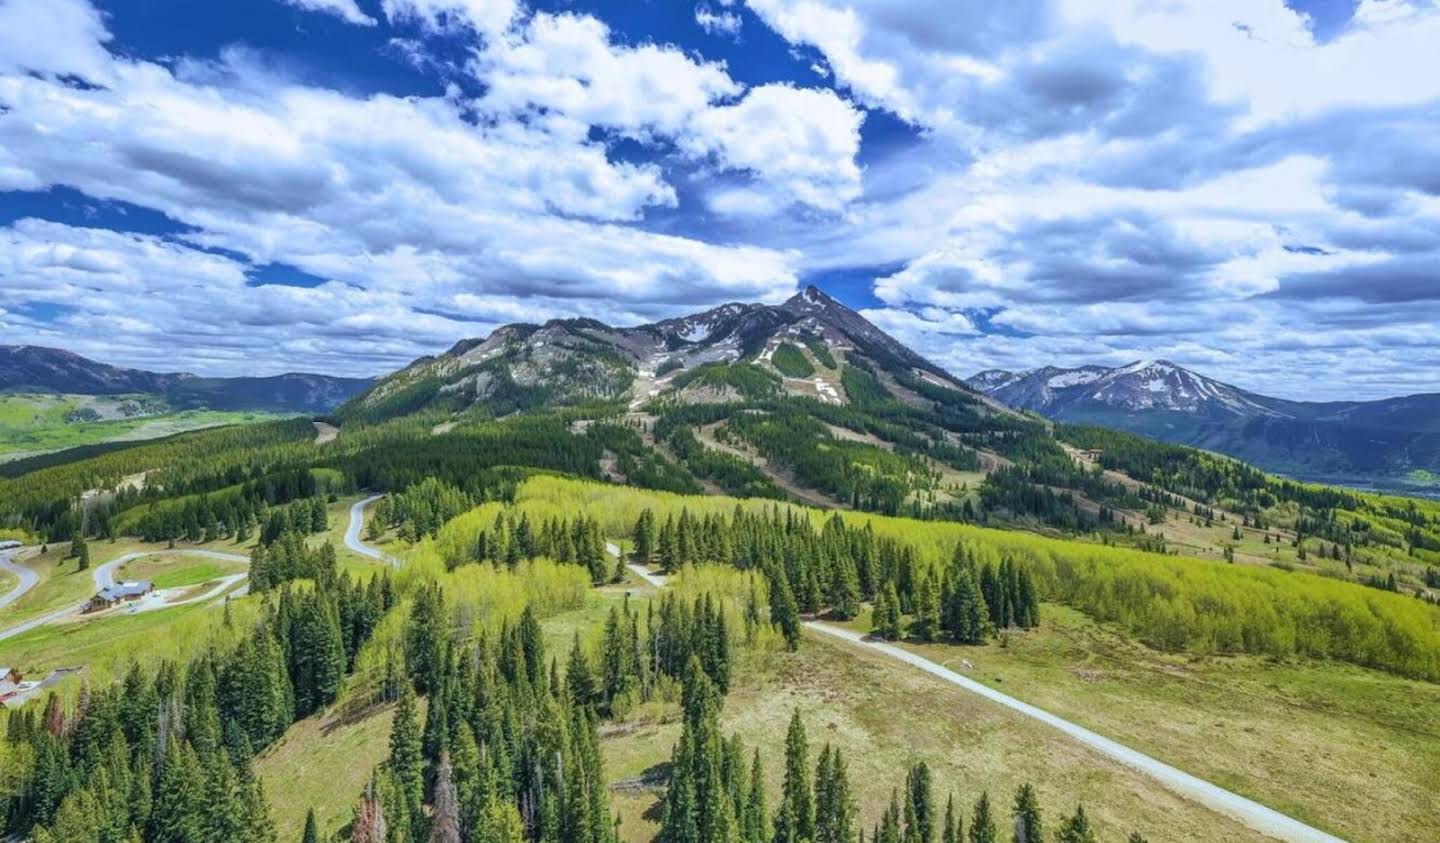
1145, 385
992, 379
1349, 441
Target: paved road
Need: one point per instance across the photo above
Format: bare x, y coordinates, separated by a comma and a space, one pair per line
1258, 817
104, 576
1253, 814
352, 534
28, 578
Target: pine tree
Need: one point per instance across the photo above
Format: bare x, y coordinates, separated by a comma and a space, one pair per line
644, 536
889, 830
887, 614
1076, 829
967, 615
795, 816
834, 806
784, 612
752, 825
880, 615
1027, 816
406, 758
843, 593
954, 830
920, 804
926, 625
982, 825
81, 548
311, 834
579, 679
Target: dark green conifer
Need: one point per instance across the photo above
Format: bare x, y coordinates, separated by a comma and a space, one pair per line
1027, 816
795, 815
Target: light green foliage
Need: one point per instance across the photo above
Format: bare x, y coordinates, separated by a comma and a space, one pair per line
1172, 603
791, 361
485, 595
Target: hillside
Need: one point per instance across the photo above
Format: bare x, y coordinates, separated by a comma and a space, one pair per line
56, 370
1390, 443
800, 348
28, 368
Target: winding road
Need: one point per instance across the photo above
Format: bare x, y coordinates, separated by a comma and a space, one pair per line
352, 533
104, 577
28, 578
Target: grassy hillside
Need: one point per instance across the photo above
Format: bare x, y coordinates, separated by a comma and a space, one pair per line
32, 424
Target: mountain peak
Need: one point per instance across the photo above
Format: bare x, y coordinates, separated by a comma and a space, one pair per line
574, 360
811, 298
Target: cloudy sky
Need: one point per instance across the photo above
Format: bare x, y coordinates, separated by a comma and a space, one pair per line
1248, 187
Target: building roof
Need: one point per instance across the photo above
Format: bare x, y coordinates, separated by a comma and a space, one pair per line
125, 589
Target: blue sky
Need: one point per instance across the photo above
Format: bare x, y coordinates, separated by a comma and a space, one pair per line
1248, 187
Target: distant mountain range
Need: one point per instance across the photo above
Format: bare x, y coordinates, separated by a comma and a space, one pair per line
1393, 442
35, 368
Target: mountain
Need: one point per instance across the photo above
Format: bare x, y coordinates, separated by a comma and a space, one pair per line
57, 370
734, 350
35, 368
1391, 443
1144, 386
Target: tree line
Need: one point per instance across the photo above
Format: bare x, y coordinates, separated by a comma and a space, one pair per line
166, 756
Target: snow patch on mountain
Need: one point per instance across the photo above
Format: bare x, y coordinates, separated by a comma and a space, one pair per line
1075, 377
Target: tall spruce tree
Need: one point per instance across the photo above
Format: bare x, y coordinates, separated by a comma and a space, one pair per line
795, 815
834, 806
926, 625
954, 829
1027, 816
407, 761
982, 823
920, 804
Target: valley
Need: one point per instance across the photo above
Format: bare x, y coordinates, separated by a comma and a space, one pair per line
52, 400
36, 424
657, 543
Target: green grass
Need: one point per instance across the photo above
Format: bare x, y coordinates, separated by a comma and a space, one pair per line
106, 646
7, 582
323, 763
1342, 748
885, 716
38, 424
63, 584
